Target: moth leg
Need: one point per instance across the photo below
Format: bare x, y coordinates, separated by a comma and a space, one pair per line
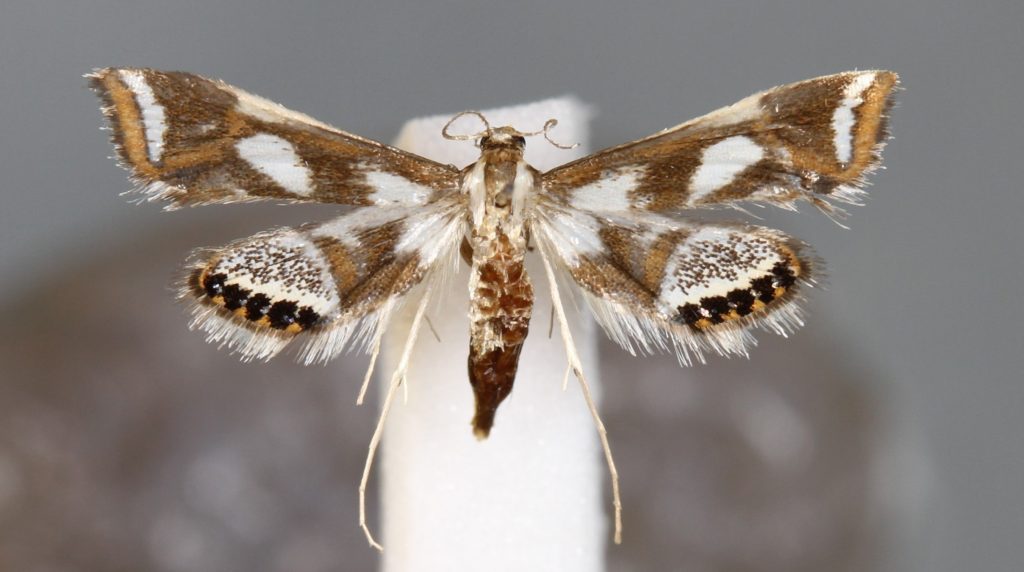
466, 252
577, 368
396, 379
377, 338
369, 371
433, 330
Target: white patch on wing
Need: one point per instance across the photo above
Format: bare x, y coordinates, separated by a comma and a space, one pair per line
266, 110
572, 233
430, 235
843, 119
276, 158
394, 190
154, 121
720, 163
610, 193
713, 261
283, 266
747, 109
346, 227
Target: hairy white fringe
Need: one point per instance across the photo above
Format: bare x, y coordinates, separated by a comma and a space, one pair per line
855, 192
146, 191
231, 333
251, 342
642, 334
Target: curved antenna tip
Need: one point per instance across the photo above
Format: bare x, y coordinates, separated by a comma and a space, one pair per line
548, 125
456, 117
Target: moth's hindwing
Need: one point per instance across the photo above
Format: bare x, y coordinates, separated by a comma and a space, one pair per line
809, 141
189, 140
656, 283
325, 282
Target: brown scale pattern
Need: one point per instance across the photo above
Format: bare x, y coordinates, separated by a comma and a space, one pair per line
793, 127
200, 163
714, 260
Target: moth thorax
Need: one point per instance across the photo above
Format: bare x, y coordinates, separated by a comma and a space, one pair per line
498, 184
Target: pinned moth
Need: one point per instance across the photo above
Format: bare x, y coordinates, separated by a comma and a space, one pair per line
617, 224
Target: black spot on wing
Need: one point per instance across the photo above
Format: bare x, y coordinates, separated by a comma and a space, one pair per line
783, 276
763, 288
307, 317
282, 314
234, 296
689, 314
257, 306
213, 285
715, 308
741, 300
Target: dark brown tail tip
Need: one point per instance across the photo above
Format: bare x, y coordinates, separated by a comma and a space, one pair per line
482, 425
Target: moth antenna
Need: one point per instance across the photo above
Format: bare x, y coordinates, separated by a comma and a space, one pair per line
447, 135
550, 123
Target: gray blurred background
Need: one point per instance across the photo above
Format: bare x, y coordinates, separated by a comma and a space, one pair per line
886, 435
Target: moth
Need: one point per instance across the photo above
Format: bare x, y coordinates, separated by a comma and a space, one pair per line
619, 224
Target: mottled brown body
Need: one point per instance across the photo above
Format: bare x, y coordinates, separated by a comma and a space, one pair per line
501, 296
502, 302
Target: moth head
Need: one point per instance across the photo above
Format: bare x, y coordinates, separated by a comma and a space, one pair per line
502, 137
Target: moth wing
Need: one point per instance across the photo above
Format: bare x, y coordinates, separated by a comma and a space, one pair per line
656, 283
188, 140
814, 141
327, 284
